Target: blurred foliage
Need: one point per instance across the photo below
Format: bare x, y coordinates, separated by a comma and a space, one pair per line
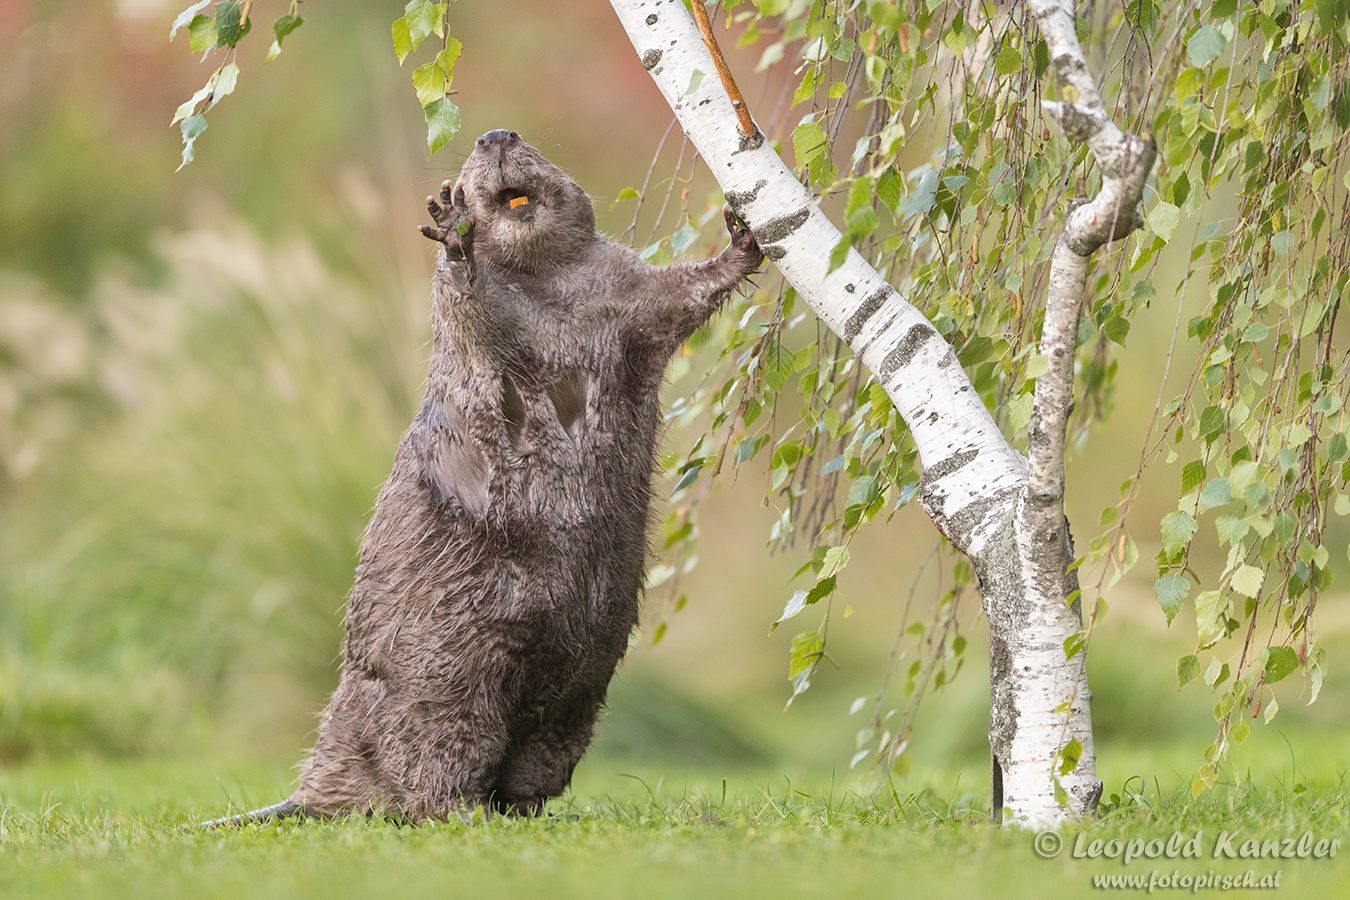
651, 721
209, 522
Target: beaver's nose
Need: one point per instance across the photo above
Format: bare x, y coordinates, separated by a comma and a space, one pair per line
498, 136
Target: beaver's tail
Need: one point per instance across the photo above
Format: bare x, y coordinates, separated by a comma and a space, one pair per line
283, 810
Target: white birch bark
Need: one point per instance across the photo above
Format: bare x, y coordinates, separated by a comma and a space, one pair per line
1039, 678
970, 471
976, 487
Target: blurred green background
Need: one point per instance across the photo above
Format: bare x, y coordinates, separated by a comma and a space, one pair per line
204, 376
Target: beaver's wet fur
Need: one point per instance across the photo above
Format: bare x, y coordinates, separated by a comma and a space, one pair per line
499, 576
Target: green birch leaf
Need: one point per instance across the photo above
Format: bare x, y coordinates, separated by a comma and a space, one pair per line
1117, 328
1008, 61
1177, 530
808, 140
806, 649
836, 558
1192, 476
1205, 45
192, 128
884, 15
402, 39
777, 367
683, 238
689, 477
1019, 412
1171, 591
202, 34
1247, 580
839, 254
863, 491
1212, 422
225, 81
1069, 756
1210, 611
1280, 662
189, 107
1216, 493
1217, 673
442, 123
1163, 219
283, 26
1188, 669
429, 82
230, 24
802, 599
280, 29
796, 604
449, 56
424, 17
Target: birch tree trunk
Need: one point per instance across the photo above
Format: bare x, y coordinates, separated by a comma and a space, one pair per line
1004, 511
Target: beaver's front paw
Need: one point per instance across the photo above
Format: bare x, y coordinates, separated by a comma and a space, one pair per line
454, 224
743, 242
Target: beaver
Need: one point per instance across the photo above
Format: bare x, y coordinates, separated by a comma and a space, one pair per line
500, 574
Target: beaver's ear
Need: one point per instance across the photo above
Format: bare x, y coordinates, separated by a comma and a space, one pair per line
453, 467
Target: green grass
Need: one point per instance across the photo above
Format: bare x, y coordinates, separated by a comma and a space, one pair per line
97, 829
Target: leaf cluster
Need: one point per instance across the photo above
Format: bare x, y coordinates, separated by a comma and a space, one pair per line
223, 30
420, 20
1257, 108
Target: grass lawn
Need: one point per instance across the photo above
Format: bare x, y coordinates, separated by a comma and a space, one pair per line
101, 829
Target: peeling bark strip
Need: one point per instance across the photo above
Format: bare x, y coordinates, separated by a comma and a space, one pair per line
766, 194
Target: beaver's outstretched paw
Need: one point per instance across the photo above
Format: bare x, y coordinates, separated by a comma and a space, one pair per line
743, 240
454, 225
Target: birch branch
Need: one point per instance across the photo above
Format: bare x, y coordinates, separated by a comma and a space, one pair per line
1125, 161
1033, 679
948, 421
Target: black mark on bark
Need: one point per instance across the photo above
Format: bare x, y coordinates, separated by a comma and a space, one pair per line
861, 315
909, 345
737, 199
775, 230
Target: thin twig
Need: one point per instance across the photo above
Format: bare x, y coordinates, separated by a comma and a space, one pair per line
737, 101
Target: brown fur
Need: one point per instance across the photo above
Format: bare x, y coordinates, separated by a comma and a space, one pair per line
500, 573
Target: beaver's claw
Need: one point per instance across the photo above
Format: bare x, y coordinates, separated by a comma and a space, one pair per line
743, 240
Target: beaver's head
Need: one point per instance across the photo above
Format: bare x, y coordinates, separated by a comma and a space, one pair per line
529, 214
